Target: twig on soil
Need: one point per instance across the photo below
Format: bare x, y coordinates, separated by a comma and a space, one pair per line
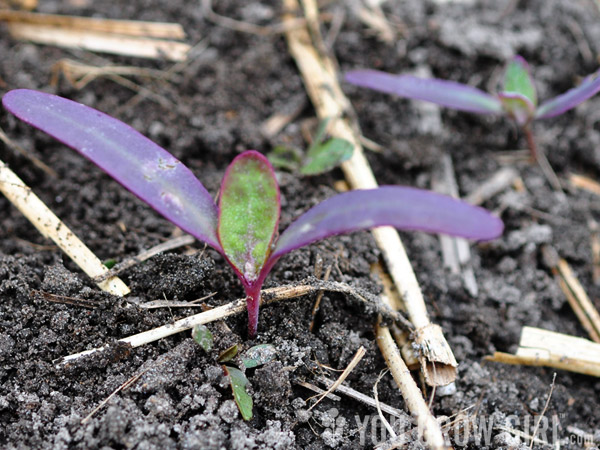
585, 183
221, 312
539, 347
317, 303
171, 244
402, 337
125, 385
88, 304
427, 424
274, 124
51, 227
21, 151
595, 248
352, 393
456, 252
428, 427
123, 27
122, 37
578, 299
537, 423
250, 28
498, 182
372, 16
171, 304
79, 75
320, 78
378, 404
318, 390
523, 435
355, 360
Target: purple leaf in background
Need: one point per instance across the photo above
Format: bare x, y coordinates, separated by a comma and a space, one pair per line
446, 93
573, 97
136, 162
404, 208
517, 100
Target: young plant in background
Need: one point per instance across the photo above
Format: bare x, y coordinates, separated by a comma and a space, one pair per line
244, 225
517, 100
250, 359
322, 155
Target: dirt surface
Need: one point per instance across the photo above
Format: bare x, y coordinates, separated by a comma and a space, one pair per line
215, 107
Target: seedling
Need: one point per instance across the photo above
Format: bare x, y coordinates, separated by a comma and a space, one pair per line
253, 357
322, 155
517, 100
244, 225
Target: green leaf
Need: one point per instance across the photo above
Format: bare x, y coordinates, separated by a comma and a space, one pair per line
203, 337
327, 156
320, 133
285, 158
238, 382
517, 80
110, 263
228, 354
259, 355
248, 213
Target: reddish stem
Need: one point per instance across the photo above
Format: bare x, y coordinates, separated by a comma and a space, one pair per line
530, 142
252, 304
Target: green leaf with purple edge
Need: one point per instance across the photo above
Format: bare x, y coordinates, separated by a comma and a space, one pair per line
249, 208
146, 169
404, 208
518, 80
238, 382
442, 92
570, 99
518, 107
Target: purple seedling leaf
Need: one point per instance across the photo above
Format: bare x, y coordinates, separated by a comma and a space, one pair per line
518, 80
249, 209
404, 208
446, 93
136, 162
570, 99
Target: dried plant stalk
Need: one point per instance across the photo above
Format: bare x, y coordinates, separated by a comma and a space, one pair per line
428, 426
123, 27
96, 41
320, 78
355, 360
581, 304
53, 228
539, 347
267, 296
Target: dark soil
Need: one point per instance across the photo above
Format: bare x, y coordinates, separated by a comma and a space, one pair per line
218, 102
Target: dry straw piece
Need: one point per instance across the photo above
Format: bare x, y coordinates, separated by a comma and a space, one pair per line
121, 37
539, 347
53, 228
